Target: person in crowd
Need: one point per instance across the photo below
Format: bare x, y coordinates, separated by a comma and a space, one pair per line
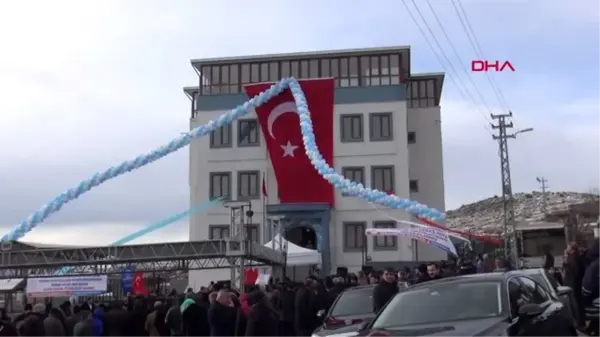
72, 320
288, 297
222, 315
373, 278
116, 319
98, 320
263, 320
305, 316
54, 324
173, 318
85, 326
548, 258
33, 322
590, 283
194, 317
421, 274
65, 307
384, 290
500, 265
152, 320
434, 272
137, 318
7, 328
573, 277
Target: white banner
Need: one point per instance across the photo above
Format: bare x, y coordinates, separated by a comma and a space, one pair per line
66, 286
430, 235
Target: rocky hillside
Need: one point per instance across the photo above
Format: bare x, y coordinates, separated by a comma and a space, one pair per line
487, 215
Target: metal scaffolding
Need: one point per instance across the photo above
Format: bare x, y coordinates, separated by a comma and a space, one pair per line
18, 261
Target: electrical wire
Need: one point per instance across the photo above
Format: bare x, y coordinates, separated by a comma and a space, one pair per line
456, 54
466, 24
451, 74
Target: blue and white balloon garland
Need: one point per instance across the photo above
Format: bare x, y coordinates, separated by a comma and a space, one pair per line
308, 137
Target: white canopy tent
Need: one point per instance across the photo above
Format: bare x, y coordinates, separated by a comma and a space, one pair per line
296, 255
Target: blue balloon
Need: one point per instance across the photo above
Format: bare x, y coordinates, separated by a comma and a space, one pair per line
308, 137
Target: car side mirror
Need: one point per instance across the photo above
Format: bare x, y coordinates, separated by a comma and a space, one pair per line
563, 290
530, 310
321, 314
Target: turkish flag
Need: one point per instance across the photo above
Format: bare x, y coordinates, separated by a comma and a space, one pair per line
297, 179
138, 286
250, 275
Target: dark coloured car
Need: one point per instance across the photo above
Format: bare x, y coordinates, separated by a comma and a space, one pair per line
551, 285
494, 304
351, 309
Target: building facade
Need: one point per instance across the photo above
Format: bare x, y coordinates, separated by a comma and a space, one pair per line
387, 134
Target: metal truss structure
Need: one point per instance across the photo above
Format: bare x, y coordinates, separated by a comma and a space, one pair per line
20, 262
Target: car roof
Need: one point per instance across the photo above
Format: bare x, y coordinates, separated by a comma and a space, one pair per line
358, 288
495, 276
529, 271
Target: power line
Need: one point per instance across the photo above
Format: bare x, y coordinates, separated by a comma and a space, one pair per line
466, 24
464, 68
441, 61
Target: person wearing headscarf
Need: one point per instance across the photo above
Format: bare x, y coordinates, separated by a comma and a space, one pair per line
194, 318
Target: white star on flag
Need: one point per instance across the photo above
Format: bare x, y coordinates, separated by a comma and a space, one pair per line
288, 149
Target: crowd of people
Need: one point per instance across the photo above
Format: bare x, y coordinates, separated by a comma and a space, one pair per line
278, 309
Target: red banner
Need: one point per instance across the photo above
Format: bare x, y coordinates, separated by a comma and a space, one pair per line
297, 179
138, 287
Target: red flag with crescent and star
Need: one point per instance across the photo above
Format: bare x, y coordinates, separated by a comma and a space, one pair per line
138, 287
297, 179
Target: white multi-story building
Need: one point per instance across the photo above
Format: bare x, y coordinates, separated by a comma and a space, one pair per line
387, 134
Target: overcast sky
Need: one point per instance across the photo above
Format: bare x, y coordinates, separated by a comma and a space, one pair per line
87, 84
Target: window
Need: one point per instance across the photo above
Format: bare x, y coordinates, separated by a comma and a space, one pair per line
354, 236
218, 232
413, 185
220, 185
354, 173
412, 137
380, 126
384, 242
351, 128
438, 302
522, 290
221, 137
354, 302
248, 133
382, 178
248, 185
534, 291
378, 70
421, 93
252, 233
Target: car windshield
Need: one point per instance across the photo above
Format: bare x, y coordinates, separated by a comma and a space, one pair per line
442, 302
354, 302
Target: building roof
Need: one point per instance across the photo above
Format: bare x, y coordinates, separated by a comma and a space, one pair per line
439, 76
197, 63
538, 225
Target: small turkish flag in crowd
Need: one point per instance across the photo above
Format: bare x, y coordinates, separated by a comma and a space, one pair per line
138, 286
297, 179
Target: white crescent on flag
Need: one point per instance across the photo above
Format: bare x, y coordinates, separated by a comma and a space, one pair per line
277, 111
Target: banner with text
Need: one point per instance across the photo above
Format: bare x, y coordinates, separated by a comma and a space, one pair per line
432, 236
66, 286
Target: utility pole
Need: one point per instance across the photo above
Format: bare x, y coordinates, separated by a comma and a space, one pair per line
503, 124
544, 187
